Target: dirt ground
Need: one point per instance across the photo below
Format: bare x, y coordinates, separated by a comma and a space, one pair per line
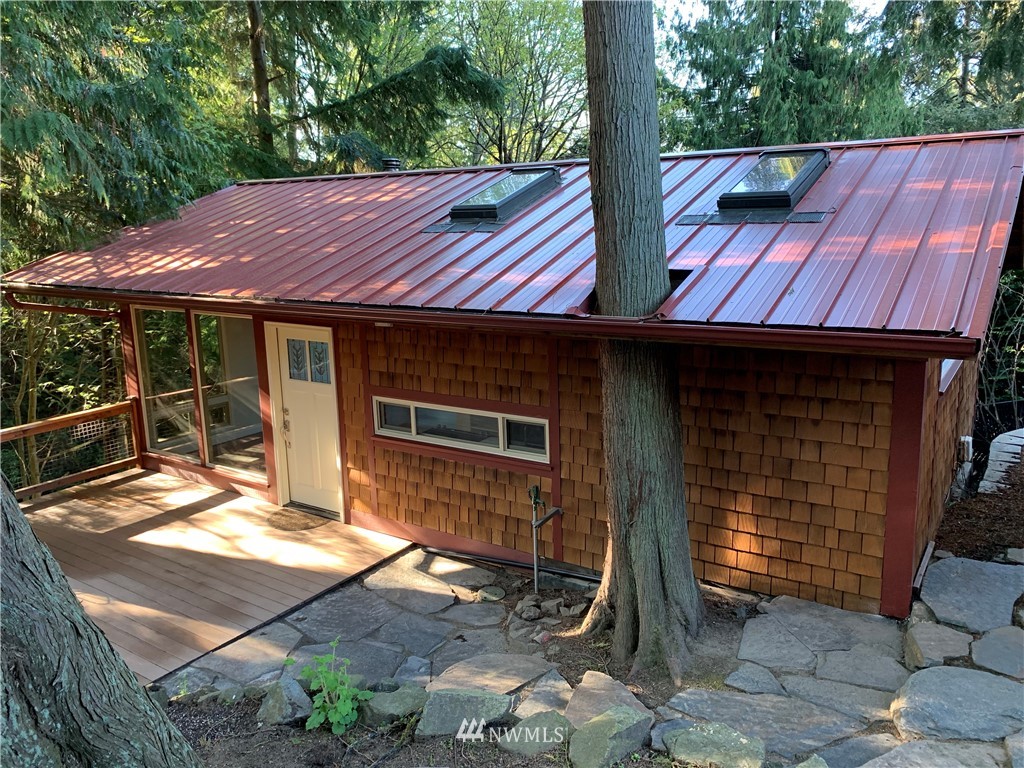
983, 526
228, 737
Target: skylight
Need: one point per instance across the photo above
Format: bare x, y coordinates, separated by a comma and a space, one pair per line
778, 180
507, 195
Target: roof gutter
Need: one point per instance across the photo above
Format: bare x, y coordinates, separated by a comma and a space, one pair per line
585, 326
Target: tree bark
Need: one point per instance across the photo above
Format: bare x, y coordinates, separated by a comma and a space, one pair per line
68, 698
648, 591
260, 78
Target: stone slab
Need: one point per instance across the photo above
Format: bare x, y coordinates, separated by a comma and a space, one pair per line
971, 594
786, 725
539, 733
934, 754
456, 573
768, 643
419, 635
863, 669
1001, 650
866, 703
596, 694
402, 584
1015, 555
1014, 745
284, 703
467, 644
957, 703
495, 672
386, 708
825, 628
753, 678
373, 662
413, 671
853, 753
475, 614
664, 729
715, 744
930, 645
550, 693
447, 711
349, 613
254, 655
608, 738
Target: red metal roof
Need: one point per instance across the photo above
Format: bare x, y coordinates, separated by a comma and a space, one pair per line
912, 241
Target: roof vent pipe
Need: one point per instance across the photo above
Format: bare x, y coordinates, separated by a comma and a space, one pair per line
391, 163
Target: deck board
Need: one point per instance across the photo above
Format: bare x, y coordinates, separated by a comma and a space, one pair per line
170, 569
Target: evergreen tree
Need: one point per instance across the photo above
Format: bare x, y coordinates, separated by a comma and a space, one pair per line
761, 73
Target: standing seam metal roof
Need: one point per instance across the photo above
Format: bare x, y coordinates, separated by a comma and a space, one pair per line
912, 240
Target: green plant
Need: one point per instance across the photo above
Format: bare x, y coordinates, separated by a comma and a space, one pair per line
335, 699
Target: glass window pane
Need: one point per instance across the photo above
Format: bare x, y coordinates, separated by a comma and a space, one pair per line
502, 189
319, 362
297, 360
463, 427
167, 382
231, 393
394, 417
527, 437
773, 173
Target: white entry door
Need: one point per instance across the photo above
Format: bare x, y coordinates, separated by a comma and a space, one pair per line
308, 416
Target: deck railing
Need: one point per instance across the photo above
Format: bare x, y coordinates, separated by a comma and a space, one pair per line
64, 450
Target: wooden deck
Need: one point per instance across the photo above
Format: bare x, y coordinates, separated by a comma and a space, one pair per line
169, 569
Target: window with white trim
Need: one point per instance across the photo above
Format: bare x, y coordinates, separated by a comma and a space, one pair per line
520, 437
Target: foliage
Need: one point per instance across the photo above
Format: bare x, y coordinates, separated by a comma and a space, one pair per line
761, 73
962, 61
1001, 374
336, 700
534, 48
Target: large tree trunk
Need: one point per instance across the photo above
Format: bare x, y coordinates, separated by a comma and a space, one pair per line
260, 78
68, 698
648, 590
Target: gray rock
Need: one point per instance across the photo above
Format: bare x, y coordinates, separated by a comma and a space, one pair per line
930, 645
372, 662
349, 613
231, 695
550, 607
864, 669
447, 711
495, 672
608, 738
414, 671
257, 689
661, 730
186, 681
1015, 555
419, 635
752, 678
715, 744
813, 762
865, 703
1001, 650
401, 583
956, 703
824, 628
285, 703
467, 644
920, 612
768, 643
456, 573
597, 693
254, 655
536, 734
530, 612
551, 693
384, 685
1014, 745
971, 594
787, 726
533, 599
386, 708
854, 752
475, 614
935, 754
